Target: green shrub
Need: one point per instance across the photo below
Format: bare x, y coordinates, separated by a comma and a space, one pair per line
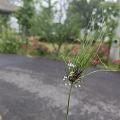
9, 42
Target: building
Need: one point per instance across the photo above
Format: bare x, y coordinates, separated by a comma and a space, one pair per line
6, 7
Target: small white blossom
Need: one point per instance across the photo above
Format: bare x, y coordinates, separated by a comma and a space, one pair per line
65, 77
71, 64
104, 11
99, 24
69, 83
94, 11
65, 84
88, 31
98, 16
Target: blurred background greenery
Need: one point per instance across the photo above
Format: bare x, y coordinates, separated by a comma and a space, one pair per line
52, 28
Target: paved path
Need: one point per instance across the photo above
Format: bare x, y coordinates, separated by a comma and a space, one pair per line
32, 89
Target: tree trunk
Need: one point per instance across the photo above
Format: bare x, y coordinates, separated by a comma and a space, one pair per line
58, 50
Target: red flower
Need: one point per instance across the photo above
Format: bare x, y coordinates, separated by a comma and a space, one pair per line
35, 45
116, 60
95, 62
75, 50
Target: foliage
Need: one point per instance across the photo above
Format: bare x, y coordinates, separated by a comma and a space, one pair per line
111, 14
9, 42
75, 65
86, 10
82, 9
103, 54
93, 15
36, 48
56, 32
3, 22
42, 23
42, 50
24, 15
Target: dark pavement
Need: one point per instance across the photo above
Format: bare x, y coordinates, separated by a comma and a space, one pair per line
32, 89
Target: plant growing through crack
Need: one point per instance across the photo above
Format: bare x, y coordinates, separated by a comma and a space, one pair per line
75, 65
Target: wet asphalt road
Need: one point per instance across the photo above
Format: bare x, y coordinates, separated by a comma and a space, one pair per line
32, 89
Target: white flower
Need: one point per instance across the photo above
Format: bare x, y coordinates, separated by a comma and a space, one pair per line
94, 11
71, 64
104, 11
99, 24
65, 84
98, 16
88, 31
65, 77
69, 83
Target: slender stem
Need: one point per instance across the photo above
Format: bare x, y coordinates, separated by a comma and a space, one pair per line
102, 62
98, 71
68, 105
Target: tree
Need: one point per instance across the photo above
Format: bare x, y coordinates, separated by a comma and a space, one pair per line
111, 14
83, 10
98, 10
96, 18
3, 22
55, 31
24, 15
